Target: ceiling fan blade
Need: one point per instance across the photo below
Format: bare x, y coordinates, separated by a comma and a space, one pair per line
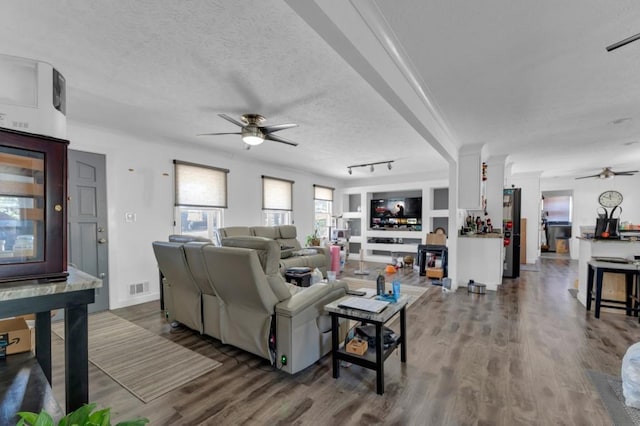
231, 119
623, 42
215, 134
275, 138
276, 127
591, 176
627, 173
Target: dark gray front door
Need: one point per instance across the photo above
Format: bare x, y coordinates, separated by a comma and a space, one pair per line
87, 210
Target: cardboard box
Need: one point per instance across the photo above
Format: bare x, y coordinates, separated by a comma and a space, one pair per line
436, 239
357, 346
435, 273
17, 335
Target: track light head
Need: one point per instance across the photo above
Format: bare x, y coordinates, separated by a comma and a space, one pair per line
389, 165
350, 171
372, 168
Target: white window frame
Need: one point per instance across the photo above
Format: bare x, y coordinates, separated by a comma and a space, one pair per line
277, 201
199, 210
323, 210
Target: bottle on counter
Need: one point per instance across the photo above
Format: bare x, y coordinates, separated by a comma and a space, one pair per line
380, 284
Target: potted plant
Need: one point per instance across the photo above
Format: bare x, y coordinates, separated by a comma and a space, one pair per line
313, 240
83, 416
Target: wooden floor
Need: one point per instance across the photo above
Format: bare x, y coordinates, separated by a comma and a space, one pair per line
513, 357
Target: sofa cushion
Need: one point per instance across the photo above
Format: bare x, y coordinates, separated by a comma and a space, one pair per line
288, 232
235, 231
266, 232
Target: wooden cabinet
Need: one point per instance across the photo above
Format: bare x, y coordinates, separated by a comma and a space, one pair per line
33, 193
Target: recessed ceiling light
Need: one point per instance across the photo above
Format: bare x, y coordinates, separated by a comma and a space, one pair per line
620, 120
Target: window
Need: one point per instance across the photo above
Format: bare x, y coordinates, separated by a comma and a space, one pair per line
277, 201
200, 199
323, 209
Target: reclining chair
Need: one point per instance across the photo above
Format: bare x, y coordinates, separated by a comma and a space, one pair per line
259, 313
181, 294
210, 302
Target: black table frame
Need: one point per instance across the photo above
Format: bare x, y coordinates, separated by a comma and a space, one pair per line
630, 303
382, 354
76, 340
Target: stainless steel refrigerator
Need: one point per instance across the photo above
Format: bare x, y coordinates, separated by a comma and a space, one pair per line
511, 229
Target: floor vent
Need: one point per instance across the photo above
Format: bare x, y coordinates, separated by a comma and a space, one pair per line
138, 288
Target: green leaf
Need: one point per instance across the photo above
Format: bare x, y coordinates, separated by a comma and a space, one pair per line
135, 422
101, 417
80, 416
33, 419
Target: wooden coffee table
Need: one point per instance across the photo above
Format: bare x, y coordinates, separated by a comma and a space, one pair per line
372, 359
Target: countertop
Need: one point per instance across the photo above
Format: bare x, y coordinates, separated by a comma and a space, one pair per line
77, 280
491, 235
608, 240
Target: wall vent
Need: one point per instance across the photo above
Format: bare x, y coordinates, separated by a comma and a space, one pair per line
138, 288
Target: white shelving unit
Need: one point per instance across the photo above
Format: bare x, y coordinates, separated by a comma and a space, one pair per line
404, 242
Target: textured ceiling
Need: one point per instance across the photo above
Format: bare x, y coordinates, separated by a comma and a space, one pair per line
531, 80
165, 69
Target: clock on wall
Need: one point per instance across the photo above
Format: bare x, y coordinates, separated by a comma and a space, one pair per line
610, 199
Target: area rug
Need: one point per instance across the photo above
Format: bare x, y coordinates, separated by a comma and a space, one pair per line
610, 390
145, 364
414, 292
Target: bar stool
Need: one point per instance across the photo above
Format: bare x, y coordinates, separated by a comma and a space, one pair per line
632, 296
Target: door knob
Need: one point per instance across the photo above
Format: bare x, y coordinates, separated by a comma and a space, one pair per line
102, 241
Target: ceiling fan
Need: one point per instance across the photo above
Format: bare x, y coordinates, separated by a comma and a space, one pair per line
252, 131
607, 173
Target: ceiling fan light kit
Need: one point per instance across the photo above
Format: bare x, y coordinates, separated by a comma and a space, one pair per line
371, 166
253, 132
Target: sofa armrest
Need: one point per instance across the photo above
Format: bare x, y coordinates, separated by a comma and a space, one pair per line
315, 296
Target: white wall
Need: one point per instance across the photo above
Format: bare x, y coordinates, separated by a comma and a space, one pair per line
147, 191
585, 200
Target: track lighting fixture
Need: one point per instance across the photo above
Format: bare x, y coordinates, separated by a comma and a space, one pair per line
370, 165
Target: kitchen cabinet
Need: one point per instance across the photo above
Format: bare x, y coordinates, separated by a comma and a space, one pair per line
33, 194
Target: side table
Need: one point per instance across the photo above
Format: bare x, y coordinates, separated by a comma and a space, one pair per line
373, 361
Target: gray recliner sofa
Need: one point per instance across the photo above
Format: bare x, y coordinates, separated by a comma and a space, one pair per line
291, 251
245, 301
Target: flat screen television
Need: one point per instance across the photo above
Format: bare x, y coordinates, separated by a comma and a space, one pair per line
400, 212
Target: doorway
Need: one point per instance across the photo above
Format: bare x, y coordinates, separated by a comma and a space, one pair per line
557, 211
87, 220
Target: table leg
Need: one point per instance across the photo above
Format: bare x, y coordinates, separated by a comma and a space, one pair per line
403, 335
161, 291
379, 360
589, 286
334, 346
76, 356
628, 280
43, 342
599, 274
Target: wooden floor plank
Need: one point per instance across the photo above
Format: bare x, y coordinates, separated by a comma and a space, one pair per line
515, 356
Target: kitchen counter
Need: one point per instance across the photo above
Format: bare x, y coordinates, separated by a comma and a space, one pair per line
490, 235
480, 258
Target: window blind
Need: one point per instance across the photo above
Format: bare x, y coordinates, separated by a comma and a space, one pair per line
200, 186
322, 193
277, 194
